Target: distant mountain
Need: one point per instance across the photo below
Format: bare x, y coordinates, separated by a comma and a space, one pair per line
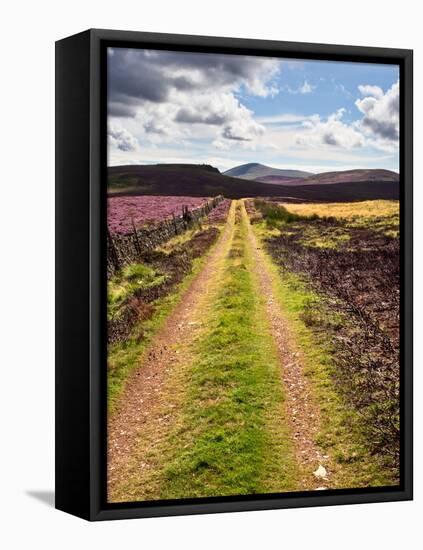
255, 170
206, 181
351, 176
326, 178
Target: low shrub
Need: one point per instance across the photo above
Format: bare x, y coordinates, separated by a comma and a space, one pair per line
274, 214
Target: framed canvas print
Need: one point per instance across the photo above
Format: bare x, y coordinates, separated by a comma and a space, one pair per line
234, 274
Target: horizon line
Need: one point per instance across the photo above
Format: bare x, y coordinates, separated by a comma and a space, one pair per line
299, 169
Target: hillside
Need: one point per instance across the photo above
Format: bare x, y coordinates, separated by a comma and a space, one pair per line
339, 192
350, 176
255, 170
204, 180
330, 178
281, 180
183, 179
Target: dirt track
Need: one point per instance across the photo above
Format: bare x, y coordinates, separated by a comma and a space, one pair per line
302, 412
155, 391
140, 409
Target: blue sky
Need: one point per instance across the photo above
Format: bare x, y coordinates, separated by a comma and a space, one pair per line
334, 85
228, 110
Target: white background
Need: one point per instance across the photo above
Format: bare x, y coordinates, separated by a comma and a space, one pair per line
28, 32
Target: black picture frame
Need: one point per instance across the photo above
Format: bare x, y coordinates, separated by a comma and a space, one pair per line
80, 272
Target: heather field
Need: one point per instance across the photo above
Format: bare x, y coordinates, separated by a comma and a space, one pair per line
266, 327
129, 212
340, 269
220, 213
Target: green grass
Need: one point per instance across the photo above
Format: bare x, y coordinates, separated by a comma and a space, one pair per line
124, 356
117, 184
131, 278
388, 225
277, 219
342, 433
275, 214
345, 210
378, 215
314, 235
183, 238
309, 221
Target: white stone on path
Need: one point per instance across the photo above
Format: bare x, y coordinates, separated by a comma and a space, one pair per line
321, 472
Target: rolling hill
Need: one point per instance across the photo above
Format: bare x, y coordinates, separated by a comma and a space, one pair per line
330, 178
182, 179
255, 170
280, 180
351, 176
204, 180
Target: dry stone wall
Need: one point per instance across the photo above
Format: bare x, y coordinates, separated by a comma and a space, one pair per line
123, 249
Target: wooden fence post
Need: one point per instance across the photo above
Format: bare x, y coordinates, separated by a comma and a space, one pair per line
174, 223
112, 252
137, 243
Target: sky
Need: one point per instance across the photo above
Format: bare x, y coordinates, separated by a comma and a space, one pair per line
227, 110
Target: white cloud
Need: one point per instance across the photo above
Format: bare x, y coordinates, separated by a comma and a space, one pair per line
221, 144
306, 88
330, 132
215, 110
378, 127
218, 117
381, 114
368, 90
283, 118
137, 77
260, 83
164, 97
120, 138
243, 129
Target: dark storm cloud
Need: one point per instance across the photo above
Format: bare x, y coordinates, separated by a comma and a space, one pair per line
194, 117
121, 138
132, 77
381, 112
121, 109
386, 123
137, 76
229, 133
329, 138
226, 68
383, 128
152, 127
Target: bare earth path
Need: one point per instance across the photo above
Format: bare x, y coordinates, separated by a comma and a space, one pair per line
302, 412
142, 402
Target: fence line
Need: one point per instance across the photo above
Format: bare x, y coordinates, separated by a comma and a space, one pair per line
123, 249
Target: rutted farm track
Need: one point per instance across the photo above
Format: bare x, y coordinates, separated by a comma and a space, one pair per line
220, 402
152, 397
